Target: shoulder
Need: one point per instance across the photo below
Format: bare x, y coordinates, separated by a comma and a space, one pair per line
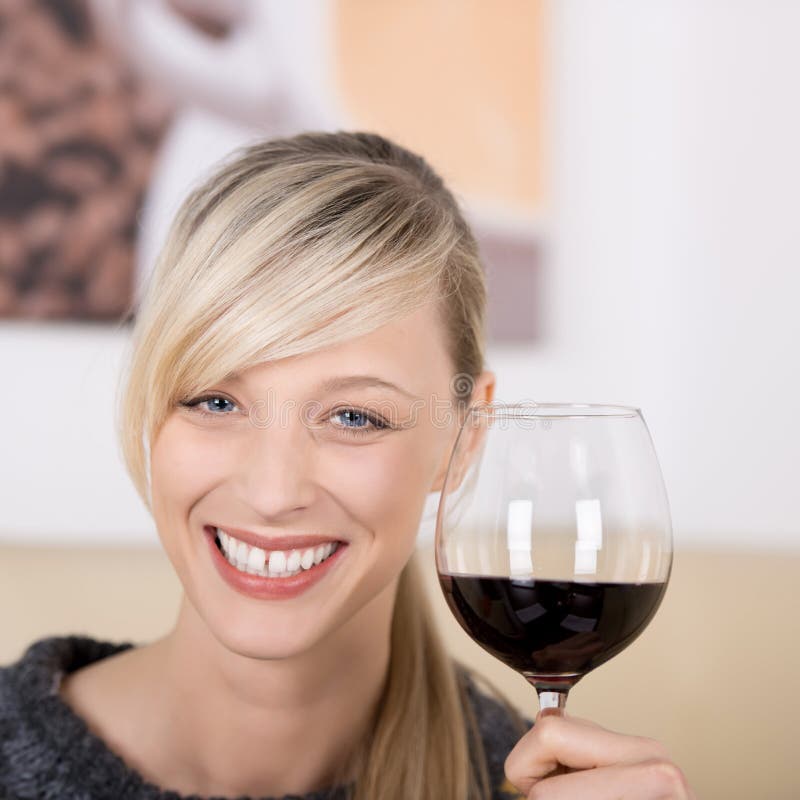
37, 729
27, 675
25, 686
23, 682
499, 725
38, 671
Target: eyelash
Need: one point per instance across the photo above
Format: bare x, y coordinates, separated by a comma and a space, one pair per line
377, 423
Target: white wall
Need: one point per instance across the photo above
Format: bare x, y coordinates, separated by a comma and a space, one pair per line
61, 477
676, 278
673, 283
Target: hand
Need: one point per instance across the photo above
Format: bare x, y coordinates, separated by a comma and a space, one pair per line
608, 765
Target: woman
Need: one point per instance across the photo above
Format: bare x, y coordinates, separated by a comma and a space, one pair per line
315, 298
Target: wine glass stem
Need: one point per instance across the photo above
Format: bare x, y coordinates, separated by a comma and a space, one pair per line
558, 702
553, 700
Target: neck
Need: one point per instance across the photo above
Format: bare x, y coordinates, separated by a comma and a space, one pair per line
232, 725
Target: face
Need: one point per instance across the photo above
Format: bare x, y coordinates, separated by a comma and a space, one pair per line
275, 453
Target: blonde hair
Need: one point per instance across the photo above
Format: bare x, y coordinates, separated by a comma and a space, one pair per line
292, 245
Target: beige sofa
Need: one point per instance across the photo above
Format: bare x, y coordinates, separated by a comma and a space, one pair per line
714, 676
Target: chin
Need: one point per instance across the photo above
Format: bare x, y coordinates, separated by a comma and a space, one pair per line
279, 638
263, 650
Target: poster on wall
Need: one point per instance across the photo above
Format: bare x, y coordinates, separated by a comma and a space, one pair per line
112, 109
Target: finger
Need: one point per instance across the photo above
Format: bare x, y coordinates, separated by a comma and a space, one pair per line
552, 711
555, 739
562, 712
652, 779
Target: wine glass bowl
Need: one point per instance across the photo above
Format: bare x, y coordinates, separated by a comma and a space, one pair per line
553, 536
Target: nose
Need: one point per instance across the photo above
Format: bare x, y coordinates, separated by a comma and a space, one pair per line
276, 474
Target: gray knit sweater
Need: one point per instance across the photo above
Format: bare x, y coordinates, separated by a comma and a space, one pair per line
47, 752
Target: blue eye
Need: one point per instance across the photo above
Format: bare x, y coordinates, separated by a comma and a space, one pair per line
363, 423
372, 423
201, 401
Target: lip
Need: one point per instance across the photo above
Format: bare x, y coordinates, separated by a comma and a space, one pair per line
270, 588
271, 543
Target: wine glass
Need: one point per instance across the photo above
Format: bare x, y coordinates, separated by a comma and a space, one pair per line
553, 536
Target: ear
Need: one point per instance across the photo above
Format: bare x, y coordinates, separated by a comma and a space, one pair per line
487, 381
482, 392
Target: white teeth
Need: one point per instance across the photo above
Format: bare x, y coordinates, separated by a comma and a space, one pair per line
256, 559
307, 560
278, 563
293, 561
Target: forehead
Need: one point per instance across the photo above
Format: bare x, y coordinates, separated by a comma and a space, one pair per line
410, 352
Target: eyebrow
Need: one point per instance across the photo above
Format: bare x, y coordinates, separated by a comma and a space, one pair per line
358, 381
349, 382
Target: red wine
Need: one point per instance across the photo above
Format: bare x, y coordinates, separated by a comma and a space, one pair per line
553, 632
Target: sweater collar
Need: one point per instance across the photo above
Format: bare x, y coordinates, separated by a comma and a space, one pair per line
51, 748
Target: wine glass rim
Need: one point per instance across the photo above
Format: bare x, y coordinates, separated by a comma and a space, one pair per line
553, 410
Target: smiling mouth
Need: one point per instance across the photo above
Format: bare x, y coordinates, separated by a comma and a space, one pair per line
284, 563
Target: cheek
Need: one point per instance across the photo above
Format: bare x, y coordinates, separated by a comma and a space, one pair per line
185, 464
385, 486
